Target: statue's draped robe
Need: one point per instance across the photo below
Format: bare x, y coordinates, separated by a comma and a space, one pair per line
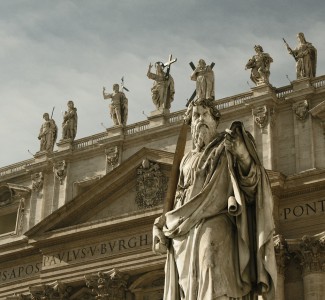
210, 255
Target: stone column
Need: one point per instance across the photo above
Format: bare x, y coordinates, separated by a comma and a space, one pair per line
311, 255
281, 257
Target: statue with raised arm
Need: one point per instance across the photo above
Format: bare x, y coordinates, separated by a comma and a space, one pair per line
48, 133
70, 122
163, 88
118, 107
260, 66
305, 55
219, 232
204, 77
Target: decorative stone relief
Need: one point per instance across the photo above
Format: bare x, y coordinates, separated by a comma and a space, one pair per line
301, 109
311, 254
260, 115
60, 170
112, 158
151, 185
37, 182
108, 285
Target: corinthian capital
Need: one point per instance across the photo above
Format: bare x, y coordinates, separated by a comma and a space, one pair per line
311, 254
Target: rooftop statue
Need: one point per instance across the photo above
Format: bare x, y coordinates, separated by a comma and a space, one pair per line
204, 77
305, 55
70, 120
118, 107
219, 231
163, 88
48, 133
260, 66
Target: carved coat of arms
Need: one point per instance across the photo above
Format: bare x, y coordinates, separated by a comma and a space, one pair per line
151, 185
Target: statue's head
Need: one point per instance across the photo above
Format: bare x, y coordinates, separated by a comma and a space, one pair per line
159, 67
202, 63
301, 37
70, 104
116, 87
258, 48
203, 117
46, 116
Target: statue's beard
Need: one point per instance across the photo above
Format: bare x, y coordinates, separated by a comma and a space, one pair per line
202, 135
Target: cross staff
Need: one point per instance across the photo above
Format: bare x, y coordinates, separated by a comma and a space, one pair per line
122, 85
167, 64
194, 93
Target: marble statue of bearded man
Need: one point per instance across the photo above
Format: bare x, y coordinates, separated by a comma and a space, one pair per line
219, 234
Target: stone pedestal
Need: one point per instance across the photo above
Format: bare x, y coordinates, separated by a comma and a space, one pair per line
115, 131
301, 84
158, 117
262, 90
40, 156
64, 144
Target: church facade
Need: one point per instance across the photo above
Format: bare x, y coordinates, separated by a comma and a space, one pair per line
76, 223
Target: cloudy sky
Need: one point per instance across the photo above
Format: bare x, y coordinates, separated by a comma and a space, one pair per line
55, 51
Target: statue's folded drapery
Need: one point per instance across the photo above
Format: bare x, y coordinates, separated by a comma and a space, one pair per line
216, 251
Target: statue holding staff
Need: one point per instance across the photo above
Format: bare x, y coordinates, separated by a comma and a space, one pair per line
218, 232
48, 133
163, 88
305, 55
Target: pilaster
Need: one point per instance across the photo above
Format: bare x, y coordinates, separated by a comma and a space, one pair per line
263, 105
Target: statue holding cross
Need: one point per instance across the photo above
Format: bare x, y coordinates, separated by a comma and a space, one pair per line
204, 77
163, 88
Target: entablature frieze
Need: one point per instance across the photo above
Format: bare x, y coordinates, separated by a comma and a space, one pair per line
97, 230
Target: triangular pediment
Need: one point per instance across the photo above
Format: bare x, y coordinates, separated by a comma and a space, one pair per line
115, 195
